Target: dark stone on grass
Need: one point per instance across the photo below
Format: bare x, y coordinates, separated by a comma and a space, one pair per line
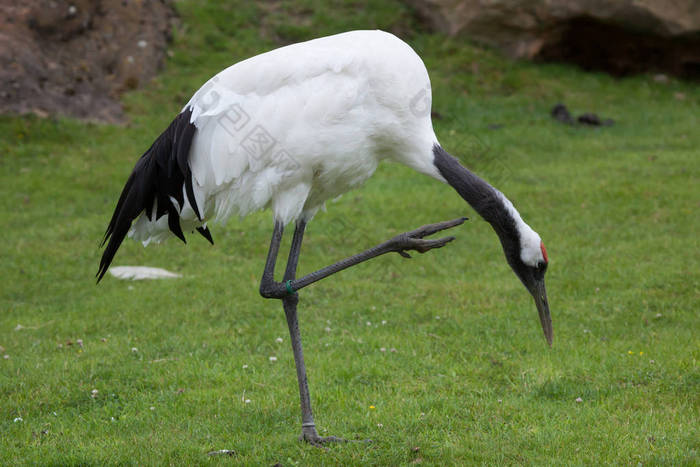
561, 113
593, 120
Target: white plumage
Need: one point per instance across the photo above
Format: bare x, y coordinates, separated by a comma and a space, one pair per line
291, 128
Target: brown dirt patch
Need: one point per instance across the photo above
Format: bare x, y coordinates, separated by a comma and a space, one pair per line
74, 58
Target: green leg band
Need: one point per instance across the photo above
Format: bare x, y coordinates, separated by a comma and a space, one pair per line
290, 290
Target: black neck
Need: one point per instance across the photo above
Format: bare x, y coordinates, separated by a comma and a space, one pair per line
481, 196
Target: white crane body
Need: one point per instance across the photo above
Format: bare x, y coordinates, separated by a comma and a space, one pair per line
294, 127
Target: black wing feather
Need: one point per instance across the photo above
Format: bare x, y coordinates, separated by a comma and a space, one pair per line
159, 174
205, 233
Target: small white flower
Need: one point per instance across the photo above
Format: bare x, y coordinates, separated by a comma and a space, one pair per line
247, 401
392, 350
369, 323
578, 399
383, 321
6, 357
142, 44
327, 329
273, 359
437, 317
134, 349
18, 419
94, 392
79, 342
382, 349
152, 408
279, 340
380, 425
245, 366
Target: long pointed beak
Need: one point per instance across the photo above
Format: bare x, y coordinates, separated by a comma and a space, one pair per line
540, 295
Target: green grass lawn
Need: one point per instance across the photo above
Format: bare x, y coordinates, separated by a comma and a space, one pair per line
465, 376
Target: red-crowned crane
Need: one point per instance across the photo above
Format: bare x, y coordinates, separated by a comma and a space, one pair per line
290, 129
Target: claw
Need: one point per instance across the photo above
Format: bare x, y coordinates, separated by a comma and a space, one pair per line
439, 243
321, 442
414, 240
430, 229
421, 245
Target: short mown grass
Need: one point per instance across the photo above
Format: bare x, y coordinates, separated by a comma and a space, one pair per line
438, 359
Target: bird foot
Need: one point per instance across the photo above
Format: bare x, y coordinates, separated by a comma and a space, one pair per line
414, 240
312, 437
321, 441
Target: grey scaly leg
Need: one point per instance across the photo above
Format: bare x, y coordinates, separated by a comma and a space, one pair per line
286, 291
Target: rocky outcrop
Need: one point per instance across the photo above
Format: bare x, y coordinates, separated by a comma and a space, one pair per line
621, 36
75, 57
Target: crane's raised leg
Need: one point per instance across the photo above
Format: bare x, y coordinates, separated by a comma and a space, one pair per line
287, 292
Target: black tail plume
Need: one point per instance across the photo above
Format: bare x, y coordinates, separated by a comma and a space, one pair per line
158, 175
204, 231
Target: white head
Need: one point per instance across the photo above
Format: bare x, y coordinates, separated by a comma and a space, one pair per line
532, 250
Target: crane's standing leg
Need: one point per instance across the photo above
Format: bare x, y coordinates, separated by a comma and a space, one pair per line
286, 291
289, 302
308, 427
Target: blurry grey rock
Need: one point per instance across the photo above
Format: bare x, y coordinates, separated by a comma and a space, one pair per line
624, 35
